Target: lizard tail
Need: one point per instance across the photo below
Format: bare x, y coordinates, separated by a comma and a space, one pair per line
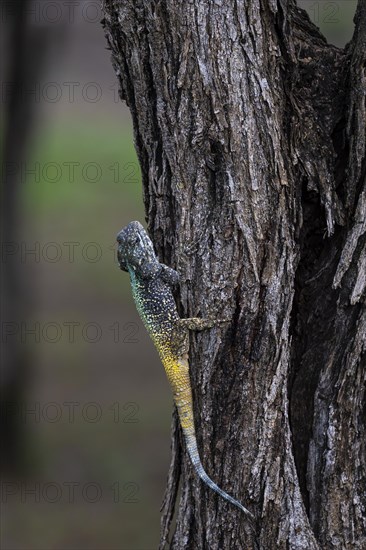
197, 464
178, 374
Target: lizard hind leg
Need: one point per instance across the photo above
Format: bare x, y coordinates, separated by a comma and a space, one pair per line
183, 326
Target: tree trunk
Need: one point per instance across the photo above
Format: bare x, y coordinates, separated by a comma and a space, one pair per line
250, 132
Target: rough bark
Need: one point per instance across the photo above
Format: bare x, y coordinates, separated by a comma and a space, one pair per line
250, 132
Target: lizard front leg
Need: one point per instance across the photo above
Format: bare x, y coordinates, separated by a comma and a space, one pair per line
195, 323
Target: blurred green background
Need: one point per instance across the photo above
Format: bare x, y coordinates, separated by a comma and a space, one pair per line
102, 406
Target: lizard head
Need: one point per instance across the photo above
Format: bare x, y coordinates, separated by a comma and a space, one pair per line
136, 251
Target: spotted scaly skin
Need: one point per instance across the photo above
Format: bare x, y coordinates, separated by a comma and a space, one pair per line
152, 284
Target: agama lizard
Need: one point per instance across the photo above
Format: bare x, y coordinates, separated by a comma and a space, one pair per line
152, 284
